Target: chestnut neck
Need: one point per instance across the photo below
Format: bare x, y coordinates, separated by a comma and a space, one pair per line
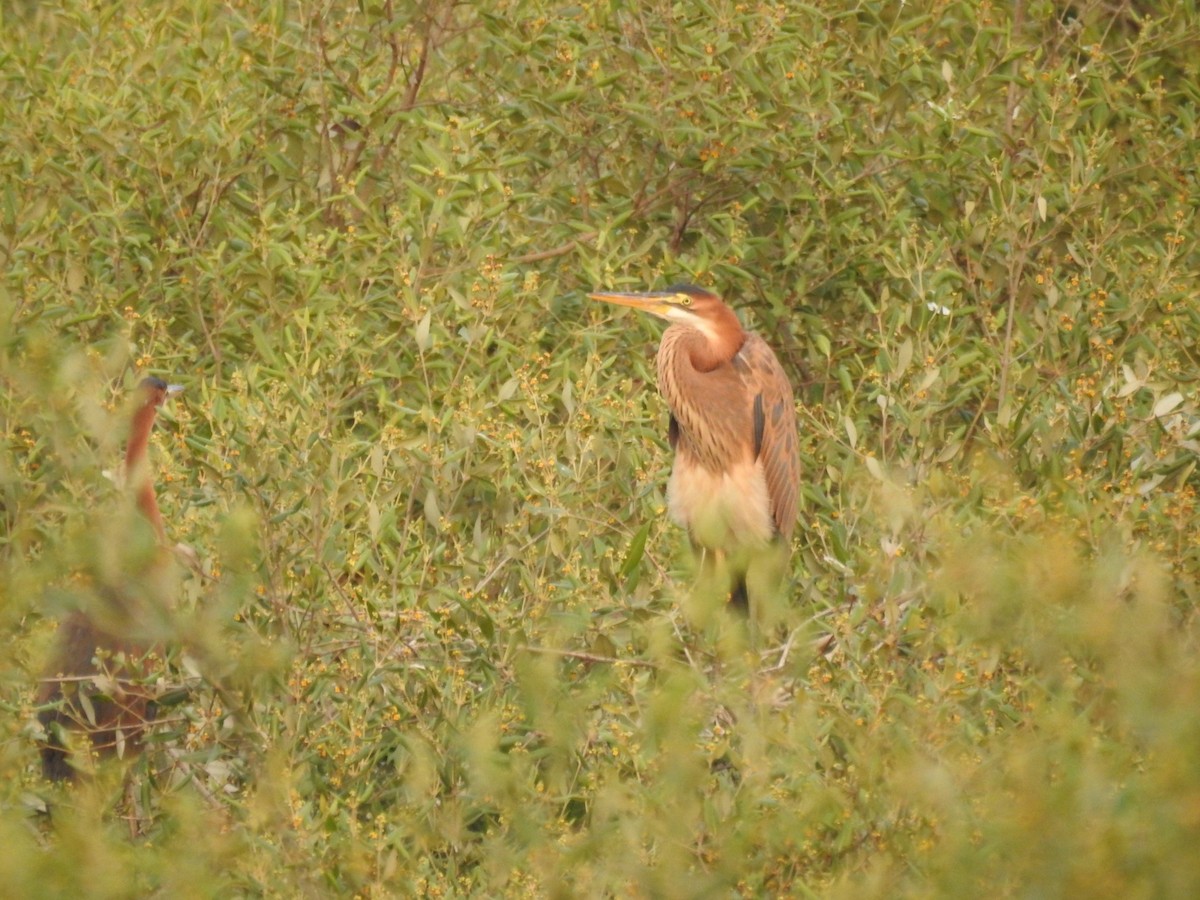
718, 342
137, 470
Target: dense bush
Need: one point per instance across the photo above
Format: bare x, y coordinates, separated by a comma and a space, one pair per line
435, 645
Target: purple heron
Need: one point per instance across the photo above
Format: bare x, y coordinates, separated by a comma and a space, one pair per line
94, 684
736, 474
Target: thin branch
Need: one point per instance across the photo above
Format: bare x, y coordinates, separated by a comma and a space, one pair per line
389, 13
1010, 103
342, 593
591, 657
560, 250
499, 567
414, 89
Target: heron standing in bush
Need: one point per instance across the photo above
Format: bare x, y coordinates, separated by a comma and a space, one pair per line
733, 429
95, 683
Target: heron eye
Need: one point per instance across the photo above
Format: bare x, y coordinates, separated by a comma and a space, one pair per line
685, 300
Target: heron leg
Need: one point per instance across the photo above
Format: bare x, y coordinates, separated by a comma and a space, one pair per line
739, 597
712, 583
766, 580
725, 576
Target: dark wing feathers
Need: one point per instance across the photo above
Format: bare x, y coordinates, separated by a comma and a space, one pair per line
774, 418
760, 423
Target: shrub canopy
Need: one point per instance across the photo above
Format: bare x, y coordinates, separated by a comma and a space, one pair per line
437, 643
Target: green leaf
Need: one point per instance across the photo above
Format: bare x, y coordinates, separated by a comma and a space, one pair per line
636, 550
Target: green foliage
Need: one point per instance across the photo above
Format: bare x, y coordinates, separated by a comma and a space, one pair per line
435, 643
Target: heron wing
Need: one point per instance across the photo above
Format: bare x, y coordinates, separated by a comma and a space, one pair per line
774, 423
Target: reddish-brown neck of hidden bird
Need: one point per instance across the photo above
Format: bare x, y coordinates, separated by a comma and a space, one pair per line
112, 714
151, 394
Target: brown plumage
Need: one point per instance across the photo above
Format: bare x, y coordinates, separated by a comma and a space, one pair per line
733, 428
95, 684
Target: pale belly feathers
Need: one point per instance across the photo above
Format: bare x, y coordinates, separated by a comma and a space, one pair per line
724, 511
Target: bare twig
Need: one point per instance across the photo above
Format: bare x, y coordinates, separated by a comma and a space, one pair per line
591, 657
1010, 103
342, 593
499, 567
560, 250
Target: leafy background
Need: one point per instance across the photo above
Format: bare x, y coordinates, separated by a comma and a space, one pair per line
439, 643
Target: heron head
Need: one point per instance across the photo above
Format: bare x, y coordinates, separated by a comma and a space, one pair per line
685, 304
154, 391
